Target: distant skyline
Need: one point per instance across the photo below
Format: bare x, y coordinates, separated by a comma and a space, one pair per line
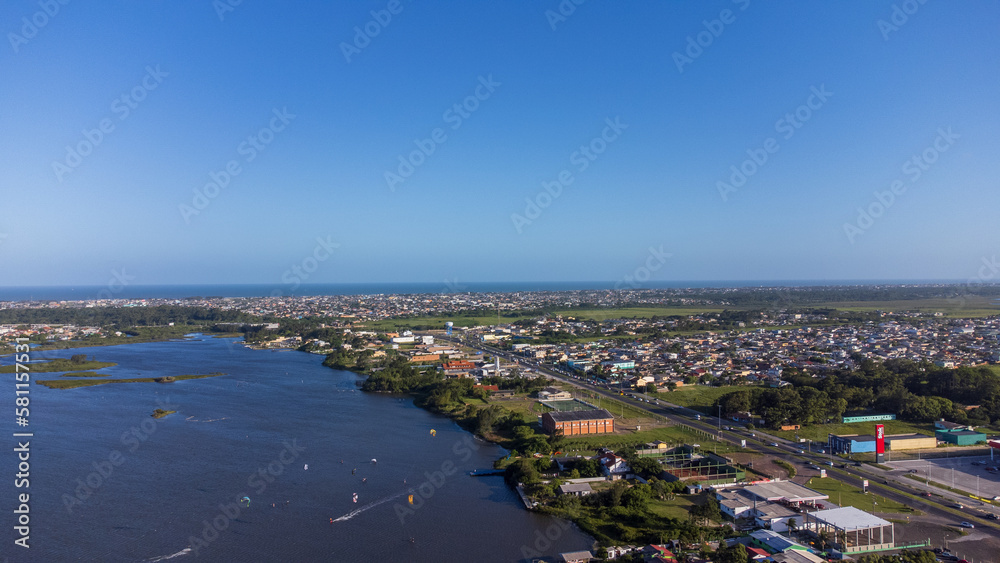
393, 141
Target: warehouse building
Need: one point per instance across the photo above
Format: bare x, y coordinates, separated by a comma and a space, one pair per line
572, 423
961, 437
865, 443
901, 442
849, 418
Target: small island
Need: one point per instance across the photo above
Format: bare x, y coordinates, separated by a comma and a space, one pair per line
160, 413
72, 384
76, 363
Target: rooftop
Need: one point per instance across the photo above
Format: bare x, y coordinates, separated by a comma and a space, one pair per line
569, 416
787, 490
849, 518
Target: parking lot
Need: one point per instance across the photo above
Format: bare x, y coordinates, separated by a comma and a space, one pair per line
969, 474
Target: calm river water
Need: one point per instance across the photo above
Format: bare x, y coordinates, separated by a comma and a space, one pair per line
110, 483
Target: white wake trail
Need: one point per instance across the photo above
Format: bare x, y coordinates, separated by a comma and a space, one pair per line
354, 513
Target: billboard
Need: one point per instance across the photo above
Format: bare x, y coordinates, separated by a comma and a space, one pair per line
880, 438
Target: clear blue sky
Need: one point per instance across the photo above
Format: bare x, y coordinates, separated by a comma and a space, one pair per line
323, 175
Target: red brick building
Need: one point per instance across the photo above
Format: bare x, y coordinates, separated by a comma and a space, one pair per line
572, 423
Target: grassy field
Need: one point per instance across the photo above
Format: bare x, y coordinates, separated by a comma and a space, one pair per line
846, 495
59, 364
618, 408
970, 306
675, 435
679, 507
698, 397
819, 432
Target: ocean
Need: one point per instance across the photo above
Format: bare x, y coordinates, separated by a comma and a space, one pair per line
85, 292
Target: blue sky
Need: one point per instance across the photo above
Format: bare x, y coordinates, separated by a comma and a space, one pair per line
925, 87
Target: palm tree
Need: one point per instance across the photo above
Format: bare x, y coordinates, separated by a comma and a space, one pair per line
792, 524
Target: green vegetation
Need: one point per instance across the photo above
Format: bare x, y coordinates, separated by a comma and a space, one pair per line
915, 391
698, 397
904, 557
61, 364
160, 413
671, 434
846, 495
83, 374
73, 384
134, 335
788, 467
622, 512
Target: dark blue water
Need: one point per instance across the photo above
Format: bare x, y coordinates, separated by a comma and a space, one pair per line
192, 467
84, 292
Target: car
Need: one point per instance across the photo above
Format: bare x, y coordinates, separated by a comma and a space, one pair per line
993, 516
857, 464
927, 493
967, 525
830, 463
773, 444
802, 451
958, 505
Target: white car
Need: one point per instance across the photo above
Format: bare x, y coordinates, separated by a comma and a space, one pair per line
967, 525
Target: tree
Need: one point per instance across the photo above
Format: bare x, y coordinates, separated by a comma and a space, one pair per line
78, 358
735, 554
792, 524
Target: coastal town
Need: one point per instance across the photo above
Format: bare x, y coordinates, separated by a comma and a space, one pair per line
595, 428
